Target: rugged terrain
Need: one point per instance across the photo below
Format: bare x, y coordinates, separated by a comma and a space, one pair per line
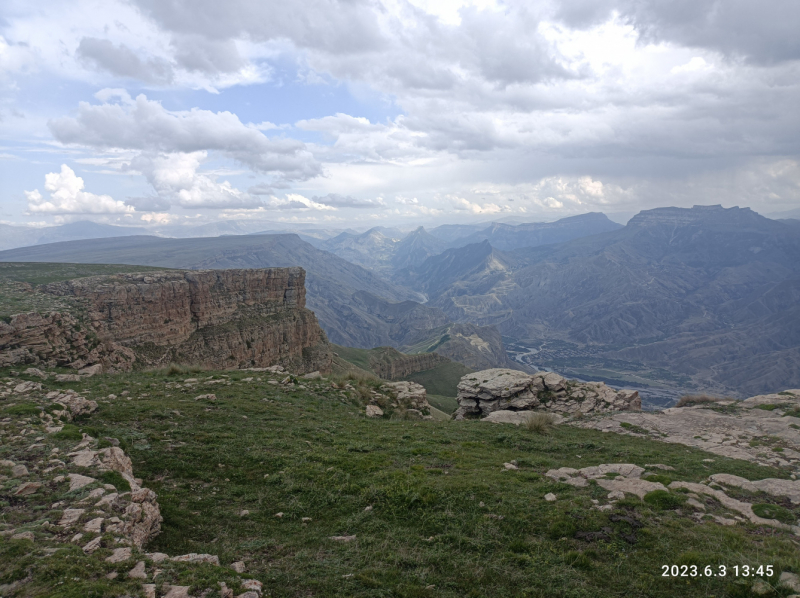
355, 307
280, 485
707, 293
213, 318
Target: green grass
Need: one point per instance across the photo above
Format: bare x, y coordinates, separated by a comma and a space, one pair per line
42, 273
442, 403
444, 512
441, 380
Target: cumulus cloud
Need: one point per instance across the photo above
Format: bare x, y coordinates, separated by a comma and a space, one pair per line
464, 205
176, 181
68, 197
761, 32
120, 60
345, 201
142, 124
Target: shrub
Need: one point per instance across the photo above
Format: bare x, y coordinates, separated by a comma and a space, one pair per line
115, 479
68, 432
176, 369
778, 512
664, 500
540, 423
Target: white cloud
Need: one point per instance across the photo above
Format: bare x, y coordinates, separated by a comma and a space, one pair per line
176, 180
142, 124
461, 204
68, 197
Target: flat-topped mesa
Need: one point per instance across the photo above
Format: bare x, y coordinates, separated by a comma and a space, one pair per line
166, 307
221, 319
487, 391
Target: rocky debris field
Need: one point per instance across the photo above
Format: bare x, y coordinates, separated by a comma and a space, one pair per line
260, 482
482, 393
764, 429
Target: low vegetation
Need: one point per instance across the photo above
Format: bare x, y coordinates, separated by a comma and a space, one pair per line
430, 505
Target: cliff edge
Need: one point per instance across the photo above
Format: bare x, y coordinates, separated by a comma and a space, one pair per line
223, 319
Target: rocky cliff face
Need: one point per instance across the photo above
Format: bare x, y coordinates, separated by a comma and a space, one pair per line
215, 318
483, 393
390, 364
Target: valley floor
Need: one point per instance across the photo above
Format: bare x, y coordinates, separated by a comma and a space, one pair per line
317, 500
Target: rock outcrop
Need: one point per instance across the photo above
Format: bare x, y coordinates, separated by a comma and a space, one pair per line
215, 318
764, 429
487, 391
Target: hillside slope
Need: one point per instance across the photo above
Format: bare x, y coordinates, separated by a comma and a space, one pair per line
708, 292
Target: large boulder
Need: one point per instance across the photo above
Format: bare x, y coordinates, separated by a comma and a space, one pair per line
484, 392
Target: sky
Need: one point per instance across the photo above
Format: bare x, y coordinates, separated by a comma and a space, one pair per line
358, 113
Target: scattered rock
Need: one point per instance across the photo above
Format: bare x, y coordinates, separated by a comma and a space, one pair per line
616, 495
374, 411
94, 526
194, 557
244, 513
77, 481
790, 580
25, 387
23, 536
35, 372
550, 497
93, 545
149, 590
252, 584
176, 591
119, 555
342, 538
207, 397
68, 378
278, 515
138, 571
238, 566
27, 488
19, 470
510, 466
92, 370
313, 376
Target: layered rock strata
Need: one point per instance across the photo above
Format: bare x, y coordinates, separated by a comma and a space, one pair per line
214, 318
390, 364
482, 393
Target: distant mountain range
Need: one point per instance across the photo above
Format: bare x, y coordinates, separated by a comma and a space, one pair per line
705, 297
707, 292
23, 236
389, 251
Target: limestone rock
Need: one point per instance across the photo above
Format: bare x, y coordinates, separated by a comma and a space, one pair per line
177, 592
27, 386
23, 536
374, 411
194, 557
70, 517
482, 393
238, 566
550, 497
740, 431
35, 372
19, 470
27, 488
138, 572
68, 378
93, 545
77, 481
92, 370
143, 517
119, 555
408, 395
790, 580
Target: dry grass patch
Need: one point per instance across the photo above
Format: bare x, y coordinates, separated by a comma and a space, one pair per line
540, 423
689, 400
